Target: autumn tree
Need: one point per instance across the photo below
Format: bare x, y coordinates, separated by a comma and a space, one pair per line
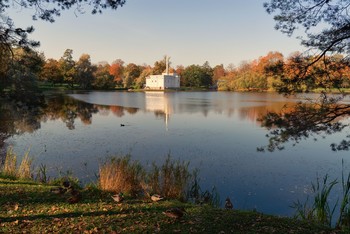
179, 70
117, 70
226, 82
103, 78
250, 75
51, 72
218, 73
321, 116
159, 66
47, 10
84, 76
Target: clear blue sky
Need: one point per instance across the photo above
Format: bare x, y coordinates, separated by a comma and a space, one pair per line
190, 31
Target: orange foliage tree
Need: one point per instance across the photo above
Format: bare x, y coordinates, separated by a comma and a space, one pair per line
116, 70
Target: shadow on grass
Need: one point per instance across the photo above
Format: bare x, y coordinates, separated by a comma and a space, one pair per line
131, 211
53, 216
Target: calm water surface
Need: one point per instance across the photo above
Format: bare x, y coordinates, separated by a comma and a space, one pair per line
217, 132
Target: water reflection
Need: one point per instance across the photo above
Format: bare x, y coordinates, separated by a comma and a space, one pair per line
217, 132
16, 119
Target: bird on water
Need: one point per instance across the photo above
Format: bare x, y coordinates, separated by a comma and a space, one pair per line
228, 204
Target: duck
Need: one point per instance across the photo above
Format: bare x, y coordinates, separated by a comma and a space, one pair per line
58, 190
156, 197
75, 196
118, 197
228, 204
73, 200
67, 184
175, 213
122, 125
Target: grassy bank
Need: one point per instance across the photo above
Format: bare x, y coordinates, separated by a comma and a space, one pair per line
31, 207
30, 201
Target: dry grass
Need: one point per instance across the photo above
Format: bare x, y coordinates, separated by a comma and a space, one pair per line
174, 178
25, 168
9, 169
10, 166
119, 174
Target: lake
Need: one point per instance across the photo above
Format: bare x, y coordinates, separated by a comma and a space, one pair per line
217, 132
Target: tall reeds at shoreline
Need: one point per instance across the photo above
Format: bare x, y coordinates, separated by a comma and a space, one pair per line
11, 170
171, 179
320, 209
120, 174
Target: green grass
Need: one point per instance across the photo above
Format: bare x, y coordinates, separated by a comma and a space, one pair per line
32, 207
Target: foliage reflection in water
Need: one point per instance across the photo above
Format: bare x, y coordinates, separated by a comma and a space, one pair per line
217, 132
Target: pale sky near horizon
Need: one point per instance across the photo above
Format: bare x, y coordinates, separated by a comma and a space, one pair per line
189, 31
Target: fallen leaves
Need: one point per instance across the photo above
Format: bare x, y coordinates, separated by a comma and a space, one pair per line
45, 213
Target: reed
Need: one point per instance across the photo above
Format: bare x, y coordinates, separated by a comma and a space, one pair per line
170, 179
320, 210
120, 174
41, 174
303, 210
151, 184
323, 213
344, 214
25, 168
173, 178
197, 195
10, 169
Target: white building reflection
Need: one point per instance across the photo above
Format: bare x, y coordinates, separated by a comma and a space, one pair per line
159, 103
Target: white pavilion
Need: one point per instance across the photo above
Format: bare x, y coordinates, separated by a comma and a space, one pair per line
166, 80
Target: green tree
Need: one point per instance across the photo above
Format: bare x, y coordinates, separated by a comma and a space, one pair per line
84, 72
207, 79
197, 76
5, 59
23, 73
131, 72
141, 80
67, 65
321, 116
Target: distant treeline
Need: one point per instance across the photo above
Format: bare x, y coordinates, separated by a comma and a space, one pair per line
22, 69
